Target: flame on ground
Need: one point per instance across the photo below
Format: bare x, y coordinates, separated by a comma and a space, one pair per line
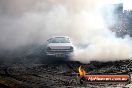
81, 71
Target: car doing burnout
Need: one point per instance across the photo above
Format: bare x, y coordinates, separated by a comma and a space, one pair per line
60, 46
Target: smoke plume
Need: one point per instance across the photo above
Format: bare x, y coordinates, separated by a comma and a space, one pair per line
25, 23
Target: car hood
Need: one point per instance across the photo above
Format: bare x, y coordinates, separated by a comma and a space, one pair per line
60, 45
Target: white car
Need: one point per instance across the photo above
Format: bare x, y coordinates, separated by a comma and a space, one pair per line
59, 46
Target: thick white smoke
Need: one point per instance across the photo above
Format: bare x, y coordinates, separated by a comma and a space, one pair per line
32, 22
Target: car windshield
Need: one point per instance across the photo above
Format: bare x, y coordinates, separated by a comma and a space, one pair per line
59, 40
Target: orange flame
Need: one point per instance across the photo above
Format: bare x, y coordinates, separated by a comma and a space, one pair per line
81, 71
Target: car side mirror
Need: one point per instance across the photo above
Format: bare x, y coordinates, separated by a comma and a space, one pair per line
49, 40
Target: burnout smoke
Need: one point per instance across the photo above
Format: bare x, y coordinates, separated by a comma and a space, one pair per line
25, 23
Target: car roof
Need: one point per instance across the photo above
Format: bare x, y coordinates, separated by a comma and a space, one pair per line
60, 36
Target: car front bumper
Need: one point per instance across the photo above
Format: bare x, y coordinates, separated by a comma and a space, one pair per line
59, 54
